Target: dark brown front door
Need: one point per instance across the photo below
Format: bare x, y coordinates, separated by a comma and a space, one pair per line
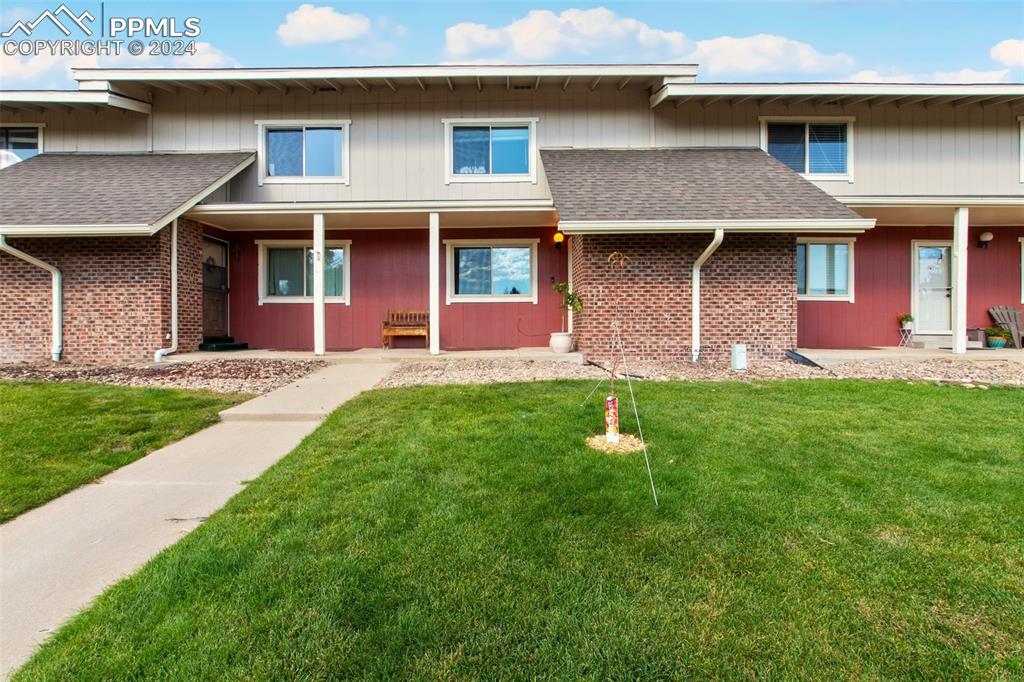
215, 288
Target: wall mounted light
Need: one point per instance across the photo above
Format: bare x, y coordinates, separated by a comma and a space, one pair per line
559, 238
984, 238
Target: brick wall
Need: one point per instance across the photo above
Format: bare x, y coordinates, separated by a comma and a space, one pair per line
748, 294
116, 297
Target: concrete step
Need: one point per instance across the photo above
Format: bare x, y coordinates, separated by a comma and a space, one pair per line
223, 346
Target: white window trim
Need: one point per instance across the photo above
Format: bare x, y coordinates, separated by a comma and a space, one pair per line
450, 176
346, 273
261, 152
41, 127
1020, 124
451, 297
806, 120
1021, 240
848, 297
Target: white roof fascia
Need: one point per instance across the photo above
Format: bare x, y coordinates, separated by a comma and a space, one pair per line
835, 89
896, 202
77, 230
86, 97
667, 71
780, 225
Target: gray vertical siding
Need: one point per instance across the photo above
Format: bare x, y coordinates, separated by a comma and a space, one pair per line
397, 140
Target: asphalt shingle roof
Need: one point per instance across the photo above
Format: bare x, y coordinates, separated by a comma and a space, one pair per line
703, 183
106, 189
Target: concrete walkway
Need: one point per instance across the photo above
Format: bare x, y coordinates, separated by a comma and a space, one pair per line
57, 558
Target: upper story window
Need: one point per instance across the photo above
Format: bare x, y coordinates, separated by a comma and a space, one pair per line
304, 151
1020, 124
824, 269
491, 270
286, 272
19, 142
490, 150
821, 149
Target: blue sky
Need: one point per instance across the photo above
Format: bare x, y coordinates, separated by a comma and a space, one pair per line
731, 41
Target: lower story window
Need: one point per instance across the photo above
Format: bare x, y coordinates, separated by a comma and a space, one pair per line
824, 269
286, 272
499, 270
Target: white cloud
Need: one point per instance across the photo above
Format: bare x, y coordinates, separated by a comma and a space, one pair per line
47, 70
40, 71
959, 76
764, 53
600, 33
1009, 52
309, 25
206, 57
542, 34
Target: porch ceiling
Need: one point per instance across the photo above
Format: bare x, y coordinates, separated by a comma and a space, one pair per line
241, 221
980, 216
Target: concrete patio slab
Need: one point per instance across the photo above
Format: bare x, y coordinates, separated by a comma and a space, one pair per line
391, 355
56, 558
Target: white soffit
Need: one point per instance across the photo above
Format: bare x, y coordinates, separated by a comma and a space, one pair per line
390, 78
845, 94
38, 100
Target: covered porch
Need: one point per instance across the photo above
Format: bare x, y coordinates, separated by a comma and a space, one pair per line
366, 259
945, 262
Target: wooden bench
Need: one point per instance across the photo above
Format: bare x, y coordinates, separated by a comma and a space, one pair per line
405, 323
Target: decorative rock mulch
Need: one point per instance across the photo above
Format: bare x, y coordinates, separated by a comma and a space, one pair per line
980, 372
251, 376
485, 371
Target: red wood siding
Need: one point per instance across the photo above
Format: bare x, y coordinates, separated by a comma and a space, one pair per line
882, 264
389, 269
506, 325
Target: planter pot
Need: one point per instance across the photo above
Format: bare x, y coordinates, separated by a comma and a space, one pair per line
996, 342
561, 342
907, 325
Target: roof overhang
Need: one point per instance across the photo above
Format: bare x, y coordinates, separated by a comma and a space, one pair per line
40, 100
274, 216
852, 226
846, 94
123, 229
388, 78
904, 201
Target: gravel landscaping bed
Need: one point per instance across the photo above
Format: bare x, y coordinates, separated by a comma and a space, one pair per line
222, 376
994, 372
484, 371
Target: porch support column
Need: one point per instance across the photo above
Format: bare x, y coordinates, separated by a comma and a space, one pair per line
435, 283
319, 334
959, 272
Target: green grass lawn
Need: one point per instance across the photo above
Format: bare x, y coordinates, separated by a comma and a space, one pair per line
56, 436
807, 529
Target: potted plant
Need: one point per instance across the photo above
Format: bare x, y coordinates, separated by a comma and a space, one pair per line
906, 321
997, 337
561, 342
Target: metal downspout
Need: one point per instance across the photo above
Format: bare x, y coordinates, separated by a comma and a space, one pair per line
695, 291
57, 346
174, 296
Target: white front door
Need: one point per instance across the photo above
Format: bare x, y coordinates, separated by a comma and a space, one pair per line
932, 295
